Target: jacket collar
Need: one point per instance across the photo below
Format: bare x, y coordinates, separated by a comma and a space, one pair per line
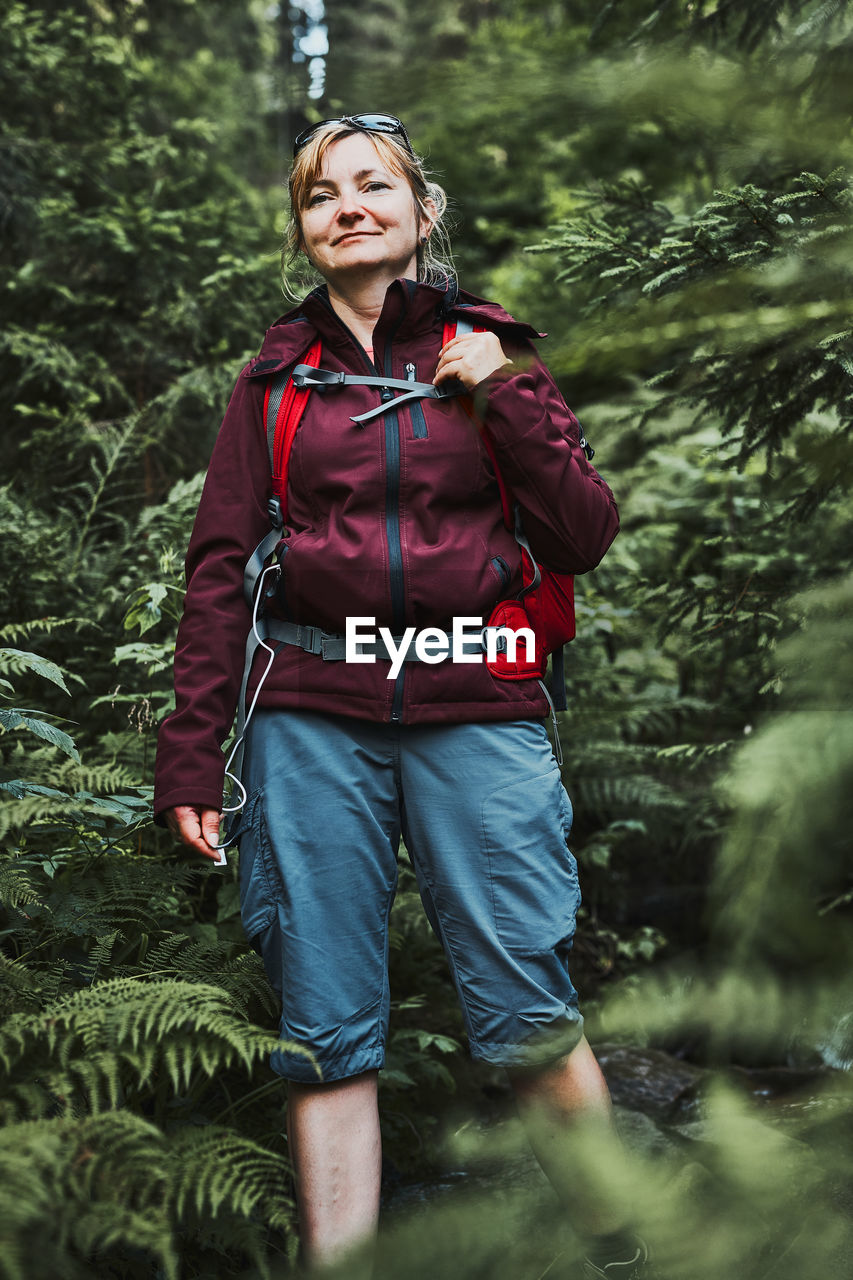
409, 308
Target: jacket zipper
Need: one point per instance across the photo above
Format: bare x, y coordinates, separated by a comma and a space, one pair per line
419, 426
392, 500
392, 524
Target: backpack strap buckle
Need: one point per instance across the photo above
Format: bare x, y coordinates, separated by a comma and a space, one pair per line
275, 513
499, 640
306, 375
309, 638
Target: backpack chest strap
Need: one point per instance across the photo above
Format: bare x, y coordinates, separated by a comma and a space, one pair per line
307, 377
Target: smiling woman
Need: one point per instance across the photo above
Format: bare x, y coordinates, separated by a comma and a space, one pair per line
434, 262
394, 514
358, 213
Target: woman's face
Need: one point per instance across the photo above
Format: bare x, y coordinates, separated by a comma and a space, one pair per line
360, 217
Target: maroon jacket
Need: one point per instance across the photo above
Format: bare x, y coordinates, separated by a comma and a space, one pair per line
399, 520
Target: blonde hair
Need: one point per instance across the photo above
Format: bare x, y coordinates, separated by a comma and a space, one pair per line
434, 259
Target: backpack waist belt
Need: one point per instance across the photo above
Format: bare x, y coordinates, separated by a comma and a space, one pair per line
331, 647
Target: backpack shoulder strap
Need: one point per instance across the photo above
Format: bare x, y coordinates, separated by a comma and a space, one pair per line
456, 329
557, 698
284, 405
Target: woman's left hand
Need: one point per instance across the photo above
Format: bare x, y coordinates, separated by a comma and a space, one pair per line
471, 359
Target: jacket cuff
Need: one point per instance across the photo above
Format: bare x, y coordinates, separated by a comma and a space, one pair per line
200, 799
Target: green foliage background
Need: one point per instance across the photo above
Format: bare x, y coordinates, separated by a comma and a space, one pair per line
664, 186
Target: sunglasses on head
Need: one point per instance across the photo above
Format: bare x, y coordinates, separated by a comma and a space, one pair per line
374, 122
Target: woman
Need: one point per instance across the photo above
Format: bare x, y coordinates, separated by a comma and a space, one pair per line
398, 522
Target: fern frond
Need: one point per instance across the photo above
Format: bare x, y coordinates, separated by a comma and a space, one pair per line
128, 893
20, 988
16, 887
128, 1030
114, 443
100, 1186
627, 794
103, 779
217, 1167
100, 955
16, 632
193, 959
86, 1186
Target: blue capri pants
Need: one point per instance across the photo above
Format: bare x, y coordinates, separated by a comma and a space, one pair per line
485, 819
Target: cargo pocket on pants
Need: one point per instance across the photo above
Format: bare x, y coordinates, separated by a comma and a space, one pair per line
534, 879
257, 873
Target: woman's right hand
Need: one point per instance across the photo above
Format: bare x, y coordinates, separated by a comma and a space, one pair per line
195, 826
